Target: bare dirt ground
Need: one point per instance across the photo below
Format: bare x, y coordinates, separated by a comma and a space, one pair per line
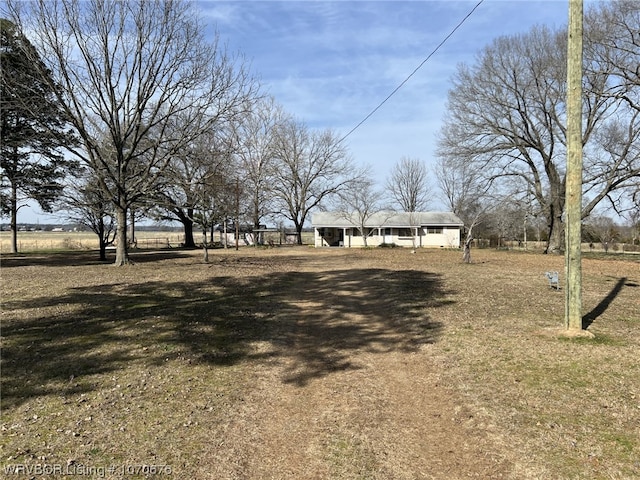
319, 364
357, 396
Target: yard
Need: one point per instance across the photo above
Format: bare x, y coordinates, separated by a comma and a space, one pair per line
302, 363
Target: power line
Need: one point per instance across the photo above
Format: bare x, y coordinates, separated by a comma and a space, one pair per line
415, 70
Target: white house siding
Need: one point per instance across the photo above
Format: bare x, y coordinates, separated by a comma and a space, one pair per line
449, 238
444, 232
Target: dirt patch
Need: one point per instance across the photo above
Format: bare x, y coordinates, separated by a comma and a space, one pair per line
357, 394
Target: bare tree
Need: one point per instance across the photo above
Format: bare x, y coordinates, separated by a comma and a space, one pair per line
616, 46
507, 118
465, 194
126, 69
85, 204
360, 202
632, 216
187, 185
506, 222
218, 199
311, 168
408, 184
254, 152
603, 229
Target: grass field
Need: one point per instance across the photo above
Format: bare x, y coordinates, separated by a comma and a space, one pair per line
41, 241
318, 363
64, 241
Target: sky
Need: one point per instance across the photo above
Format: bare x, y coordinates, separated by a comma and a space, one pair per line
330, 64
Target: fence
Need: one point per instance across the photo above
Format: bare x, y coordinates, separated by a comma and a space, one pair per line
47, 241
539, 246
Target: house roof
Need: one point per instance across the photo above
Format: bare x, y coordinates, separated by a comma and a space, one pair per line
386, 219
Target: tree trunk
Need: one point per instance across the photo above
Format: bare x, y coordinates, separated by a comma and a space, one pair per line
256, 215
14, 219
187, 225
299, 233
132, 235
102, 242
554, 210
205, 253
466, 254
122, 256
103, 250
556, 233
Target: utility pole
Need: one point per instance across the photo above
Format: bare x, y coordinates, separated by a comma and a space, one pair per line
573, 202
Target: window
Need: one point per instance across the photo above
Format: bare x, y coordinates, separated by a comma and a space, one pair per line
404, 232
434, 229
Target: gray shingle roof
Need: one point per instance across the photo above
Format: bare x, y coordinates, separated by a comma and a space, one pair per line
386, 219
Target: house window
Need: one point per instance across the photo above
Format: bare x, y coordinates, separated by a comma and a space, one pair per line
387, 231
434, 229
404, 232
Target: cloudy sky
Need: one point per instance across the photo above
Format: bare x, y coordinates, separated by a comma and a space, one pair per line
331, 63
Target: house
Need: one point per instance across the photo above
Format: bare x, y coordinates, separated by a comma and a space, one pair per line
406, 229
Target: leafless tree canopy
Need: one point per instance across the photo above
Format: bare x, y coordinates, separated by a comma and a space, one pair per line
126, 69
255, 136
312, 167
87, 205
408, 184
465, 193
360, 202
506, 114
602, 229
191, 185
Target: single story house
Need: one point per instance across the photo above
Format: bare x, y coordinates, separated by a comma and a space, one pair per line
406, 229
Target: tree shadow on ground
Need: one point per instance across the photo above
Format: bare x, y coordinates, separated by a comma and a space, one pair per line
311, 323
599, 309
72, 258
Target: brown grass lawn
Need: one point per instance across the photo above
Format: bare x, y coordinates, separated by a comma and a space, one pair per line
297, 363
64, 241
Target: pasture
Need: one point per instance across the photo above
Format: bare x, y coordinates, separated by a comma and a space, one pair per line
64, 241
302, 363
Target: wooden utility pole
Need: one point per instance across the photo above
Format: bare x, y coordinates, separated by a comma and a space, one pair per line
573, 203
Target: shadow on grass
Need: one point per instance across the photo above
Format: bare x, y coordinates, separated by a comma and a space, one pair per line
599, 309
308, 323
70, 258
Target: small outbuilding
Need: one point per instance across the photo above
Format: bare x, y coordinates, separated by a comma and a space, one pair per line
405, 229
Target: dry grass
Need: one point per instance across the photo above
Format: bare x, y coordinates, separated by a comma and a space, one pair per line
65, 241
305, 363
566, 408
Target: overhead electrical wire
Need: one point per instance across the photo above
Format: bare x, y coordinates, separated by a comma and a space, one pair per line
415, 70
